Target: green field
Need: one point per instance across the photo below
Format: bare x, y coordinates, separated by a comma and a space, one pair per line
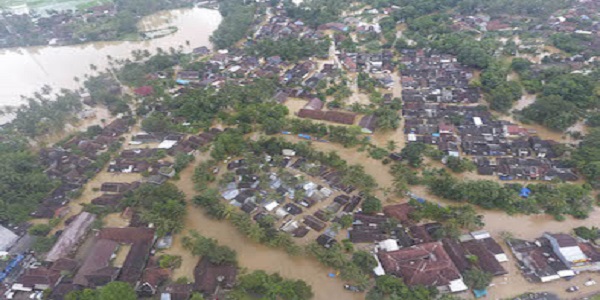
53, 4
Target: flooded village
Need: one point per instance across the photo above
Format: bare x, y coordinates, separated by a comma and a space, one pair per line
339, 157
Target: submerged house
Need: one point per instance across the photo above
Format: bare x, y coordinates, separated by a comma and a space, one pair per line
425, 264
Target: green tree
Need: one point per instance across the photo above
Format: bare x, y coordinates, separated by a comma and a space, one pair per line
40, 229
478, 279
371, 205
364, 260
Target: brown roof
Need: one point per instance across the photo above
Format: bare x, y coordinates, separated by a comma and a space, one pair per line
457, 253
315, 104
39, 276
314, 223
564, 240
179, 291
368, 122
128, 235
420, 234
311, 114
486, 260
426, 264
209, 276
340, 117
141, 240
98, 259
65, 264
400, 212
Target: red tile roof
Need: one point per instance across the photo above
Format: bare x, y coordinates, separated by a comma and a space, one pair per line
425, 264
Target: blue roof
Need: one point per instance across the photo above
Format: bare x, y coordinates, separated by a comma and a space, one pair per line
480, 293
525, 192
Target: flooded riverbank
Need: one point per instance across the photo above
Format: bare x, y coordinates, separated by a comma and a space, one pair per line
26, 70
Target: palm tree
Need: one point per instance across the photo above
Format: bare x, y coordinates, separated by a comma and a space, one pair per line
227, 212
392, 145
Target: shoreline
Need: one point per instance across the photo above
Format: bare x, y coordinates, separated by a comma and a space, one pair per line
37, 66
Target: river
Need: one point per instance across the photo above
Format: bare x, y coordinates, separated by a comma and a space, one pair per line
26, 70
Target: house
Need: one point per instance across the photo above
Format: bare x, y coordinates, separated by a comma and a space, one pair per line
570, 253
175, 291
368, 124
314, 104
400, 212
71, 236
144, 91
314, 223
139, 241
340, 117
538, 261
96, 269
153, 276
209, 277
7, 238
426, 265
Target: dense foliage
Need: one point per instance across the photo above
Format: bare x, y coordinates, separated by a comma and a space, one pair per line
237, 18
209, 249
22, 181
162, 205
260, 285
115, 290
290, 49
42, 116
553, 199
388, 287
587, 157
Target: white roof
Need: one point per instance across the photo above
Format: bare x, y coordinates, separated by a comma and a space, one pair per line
480, 235
457, 285
167, 144
230, 194
501, 257
310, 186
271, 206
573, 253
20, 287
7, 238
477, 121
379, 271
281, 213
288, 152
412, 137
549, 278
389, 245
566, 273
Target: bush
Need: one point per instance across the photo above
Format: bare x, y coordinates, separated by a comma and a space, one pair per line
40, 229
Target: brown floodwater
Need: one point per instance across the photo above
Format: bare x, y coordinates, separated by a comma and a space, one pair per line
251, 255
26, 70
497, 223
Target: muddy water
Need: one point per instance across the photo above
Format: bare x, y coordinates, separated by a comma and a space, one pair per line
26, 70
497, 222
251, 255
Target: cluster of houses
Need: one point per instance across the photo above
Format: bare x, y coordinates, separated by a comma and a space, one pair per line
50, 27
437, 78
554, 256
444, 118
73, 163
86, 258
366, 62
297, 203
415, 253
